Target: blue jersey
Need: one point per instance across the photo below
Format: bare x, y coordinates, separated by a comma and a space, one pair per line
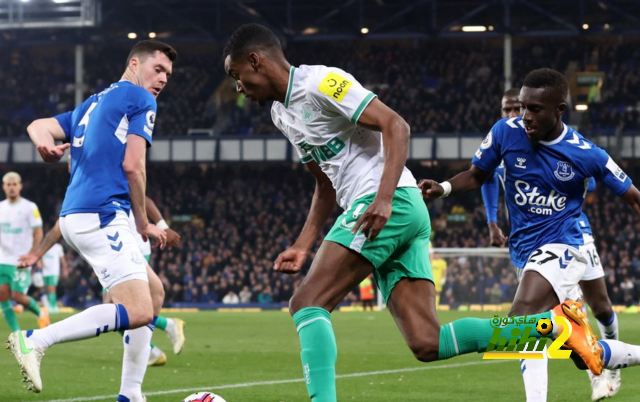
491, 192
546, 183
97, 130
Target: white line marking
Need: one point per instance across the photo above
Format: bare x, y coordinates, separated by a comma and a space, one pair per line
215, 388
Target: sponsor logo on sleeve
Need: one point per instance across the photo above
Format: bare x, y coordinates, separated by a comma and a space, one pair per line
616, 170
36, 214
335, 86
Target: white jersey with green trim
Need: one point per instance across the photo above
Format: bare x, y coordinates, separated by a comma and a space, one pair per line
51, 260
319, 117
17, 222
144, 246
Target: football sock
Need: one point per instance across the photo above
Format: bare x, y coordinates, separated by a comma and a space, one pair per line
609, 330
134, 364
10, 315
476, 334
318, 353
535, 377
33, 307
53, 299
44, 300
121, 332
86, 324
161, 322
617, 355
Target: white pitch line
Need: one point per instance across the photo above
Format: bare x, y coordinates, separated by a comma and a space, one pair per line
215, 388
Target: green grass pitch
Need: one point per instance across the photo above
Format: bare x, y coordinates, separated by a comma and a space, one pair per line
253, 357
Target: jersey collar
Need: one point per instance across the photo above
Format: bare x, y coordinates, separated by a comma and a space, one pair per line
289, 87
557, 140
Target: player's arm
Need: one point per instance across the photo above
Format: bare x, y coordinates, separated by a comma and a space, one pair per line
322, 204
173, 238
395, 136
64, 268
468, 180
135, 169
632, 197
52, 237
44, 133
490, 194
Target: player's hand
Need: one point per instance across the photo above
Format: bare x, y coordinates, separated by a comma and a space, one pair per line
430, 189
52, 155
373, 219
173, 238
27, 260
290, 261
156, 233
496, 237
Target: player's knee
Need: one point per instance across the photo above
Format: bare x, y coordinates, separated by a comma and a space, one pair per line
602, 310
139, 315
4, 295
424, 349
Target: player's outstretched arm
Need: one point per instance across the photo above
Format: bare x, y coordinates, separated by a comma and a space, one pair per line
135, 169
173, 238
395, 136
323, 203
490, 194
632, 197
468, 180
52, 237
44, 133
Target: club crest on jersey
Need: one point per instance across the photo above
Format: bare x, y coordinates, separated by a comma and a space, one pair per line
564, 171
488, 140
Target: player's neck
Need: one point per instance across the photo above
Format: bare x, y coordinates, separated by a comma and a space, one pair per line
555, 132
13, 200
131, 77
281, 82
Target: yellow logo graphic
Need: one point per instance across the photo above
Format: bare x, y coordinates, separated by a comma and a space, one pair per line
335, 86
36, 214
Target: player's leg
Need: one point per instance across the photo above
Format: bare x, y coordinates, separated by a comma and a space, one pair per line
335, 271
137, 347
51, 283
113, 254
7, 273
19, 288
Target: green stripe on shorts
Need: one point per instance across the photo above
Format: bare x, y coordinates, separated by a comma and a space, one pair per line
401, 250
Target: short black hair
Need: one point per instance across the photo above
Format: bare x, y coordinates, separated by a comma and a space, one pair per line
511, 92
148, 47
549, 79
249, 38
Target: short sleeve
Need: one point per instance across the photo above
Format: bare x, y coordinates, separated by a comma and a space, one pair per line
489, 155
35, 219
338, 91
141, 113
605, 170
64, 120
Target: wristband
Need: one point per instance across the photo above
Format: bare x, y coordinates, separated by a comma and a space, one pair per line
446, 186
162, 224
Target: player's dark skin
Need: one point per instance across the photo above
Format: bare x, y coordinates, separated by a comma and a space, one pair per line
263, 75
541, 110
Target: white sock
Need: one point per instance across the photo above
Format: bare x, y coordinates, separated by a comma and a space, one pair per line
45, 300
619, 355
86, 324
609, 330
134, 364
171, 325
535, 377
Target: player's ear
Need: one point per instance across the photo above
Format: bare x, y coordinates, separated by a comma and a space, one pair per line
254, 59
562, 107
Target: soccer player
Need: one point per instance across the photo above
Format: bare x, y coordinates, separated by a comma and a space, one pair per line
52, 261
21, 231
108, 135
174, 327
534, 372
337, 128
548, 167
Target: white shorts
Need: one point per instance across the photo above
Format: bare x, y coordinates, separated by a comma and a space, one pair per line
37, 279
594, 268
562, 265
112, 251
